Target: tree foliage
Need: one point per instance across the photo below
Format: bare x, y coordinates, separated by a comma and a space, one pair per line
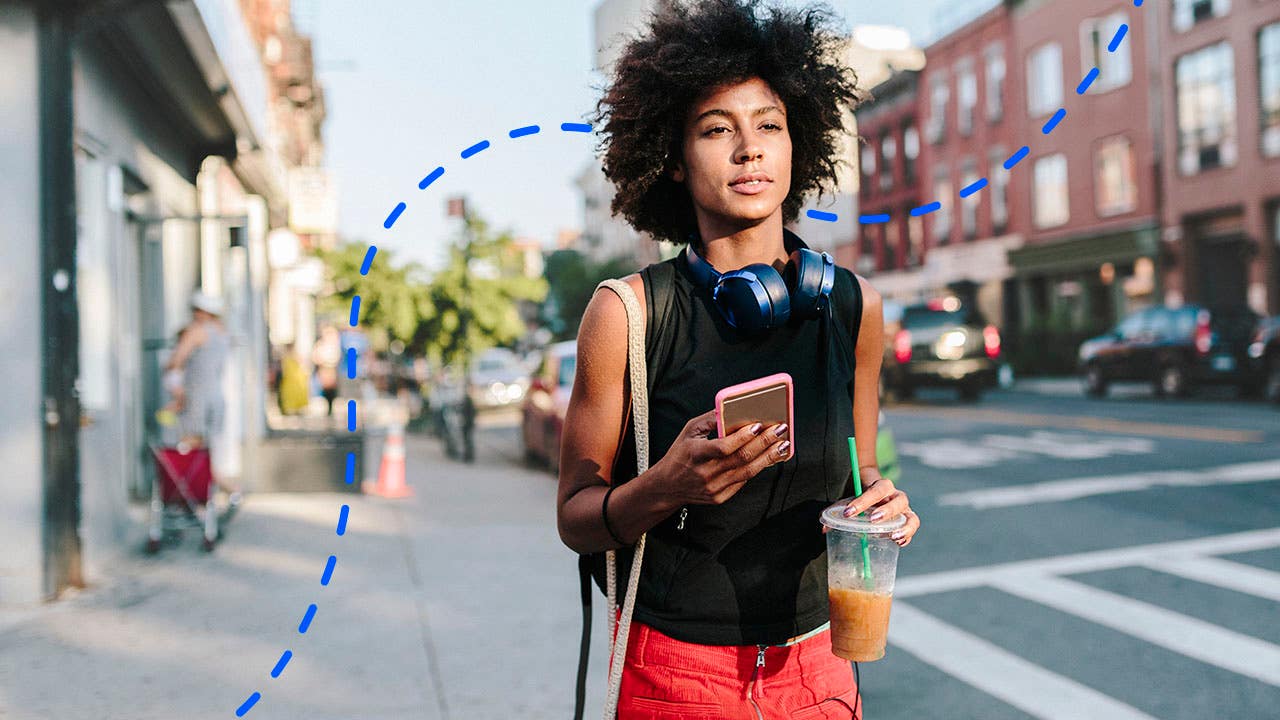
573, 278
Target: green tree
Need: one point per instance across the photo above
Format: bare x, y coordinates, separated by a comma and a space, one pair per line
392, 296
573, 278
473, 300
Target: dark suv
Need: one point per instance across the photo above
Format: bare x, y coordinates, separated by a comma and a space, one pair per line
1264, 357
940, 343
1174, 349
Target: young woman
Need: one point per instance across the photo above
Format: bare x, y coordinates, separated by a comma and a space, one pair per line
720, 121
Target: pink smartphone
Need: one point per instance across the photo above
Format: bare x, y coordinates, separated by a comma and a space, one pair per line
768, 401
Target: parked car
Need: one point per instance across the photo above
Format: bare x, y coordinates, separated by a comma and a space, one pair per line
1174, 349
1264, 358
939, 343
542, 415
499, 379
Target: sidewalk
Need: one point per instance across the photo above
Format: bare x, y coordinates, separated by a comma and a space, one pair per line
458, 603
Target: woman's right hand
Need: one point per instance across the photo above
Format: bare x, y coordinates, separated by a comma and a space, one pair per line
701, 471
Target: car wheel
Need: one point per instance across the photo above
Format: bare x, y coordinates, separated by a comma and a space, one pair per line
1172, 381
1271, 389
904, 392
1095, 382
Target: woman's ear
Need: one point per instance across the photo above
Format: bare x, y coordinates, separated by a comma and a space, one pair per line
677, 173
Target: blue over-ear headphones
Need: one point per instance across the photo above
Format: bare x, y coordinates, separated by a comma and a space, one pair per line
758, 297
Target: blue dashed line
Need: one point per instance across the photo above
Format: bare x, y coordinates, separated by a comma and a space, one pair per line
343, 514
432, 177
521, 132
575, 127
328, 570
975, 187
351, 363
248, 704
1115, 41
307, 618
355, 310
1083, 87
1053, 121
395, 215
351, 468
284, 660
873, 219
820, 215
368, 259
1016, 158
482, 145
351, 415
926, 209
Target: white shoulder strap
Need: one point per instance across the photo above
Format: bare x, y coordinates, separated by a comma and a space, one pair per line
640, 416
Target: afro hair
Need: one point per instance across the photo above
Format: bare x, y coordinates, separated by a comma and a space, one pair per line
690, 49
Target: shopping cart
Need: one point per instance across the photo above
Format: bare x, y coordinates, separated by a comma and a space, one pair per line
182, 496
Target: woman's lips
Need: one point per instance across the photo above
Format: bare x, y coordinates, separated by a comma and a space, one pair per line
750, 188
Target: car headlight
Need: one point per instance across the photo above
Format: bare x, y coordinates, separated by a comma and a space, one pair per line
1255, 350
951, 345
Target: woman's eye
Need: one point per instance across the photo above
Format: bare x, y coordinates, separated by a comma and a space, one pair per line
775, 126
713, 130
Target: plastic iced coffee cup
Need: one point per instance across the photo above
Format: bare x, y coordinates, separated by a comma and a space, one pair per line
862, 561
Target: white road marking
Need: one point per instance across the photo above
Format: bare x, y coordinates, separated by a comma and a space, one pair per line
1074, 489
972, 577
1222, 573
999, 673
954, 454
996, 448
1194, 638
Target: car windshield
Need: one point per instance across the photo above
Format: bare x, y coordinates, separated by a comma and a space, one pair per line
922, 318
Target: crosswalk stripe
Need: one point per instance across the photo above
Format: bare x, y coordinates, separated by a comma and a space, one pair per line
997, 672
1222, 573
1076, 488
1194, 638
964, 578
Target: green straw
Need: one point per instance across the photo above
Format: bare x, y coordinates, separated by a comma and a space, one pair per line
857, 492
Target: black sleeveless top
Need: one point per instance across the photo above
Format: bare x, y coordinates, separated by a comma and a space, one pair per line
754, 569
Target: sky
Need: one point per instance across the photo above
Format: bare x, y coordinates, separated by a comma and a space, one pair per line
410, 84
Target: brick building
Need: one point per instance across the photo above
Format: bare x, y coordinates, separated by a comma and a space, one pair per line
1221, 130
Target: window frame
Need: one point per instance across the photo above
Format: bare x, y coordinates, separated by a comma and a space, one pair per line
1106, 26
1105, 144
1038, 204
994, 83
1034, 87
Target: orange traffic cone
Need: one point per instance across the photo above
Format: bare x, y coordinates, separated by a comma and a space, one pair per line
391, 483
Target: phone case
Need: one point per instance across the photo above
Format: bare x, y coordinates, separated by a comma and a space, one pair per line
752, 386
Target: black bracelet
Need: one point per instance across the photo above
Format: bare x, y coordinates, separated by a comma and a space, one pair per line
604, 513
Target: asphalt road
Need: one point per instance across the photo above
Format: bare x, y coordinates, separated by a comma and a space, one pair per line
1080, 558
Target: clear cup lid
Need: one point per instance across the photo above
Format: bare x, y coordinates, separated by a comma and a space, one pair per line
833, 517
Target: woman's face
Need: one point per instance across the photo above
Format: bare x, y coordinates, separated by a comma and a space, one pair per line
736, 132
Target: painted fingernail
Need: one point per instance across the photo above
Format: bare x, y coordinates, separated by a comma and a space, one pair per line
850, 511
784, 447
876, 516
898, 535
755, 429
780, 430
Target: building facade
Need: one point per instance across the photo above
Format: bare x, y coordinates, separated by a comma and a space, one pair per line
1220, 68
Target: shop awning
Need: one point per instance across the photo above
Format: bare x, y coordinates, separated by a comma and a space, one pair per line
1084, 253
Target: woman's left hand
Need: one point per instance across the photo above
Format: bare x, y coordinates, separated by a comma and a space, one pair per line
884, 501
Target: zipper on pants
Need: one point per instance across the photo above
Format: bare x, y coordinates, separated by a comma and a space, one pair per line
753, 690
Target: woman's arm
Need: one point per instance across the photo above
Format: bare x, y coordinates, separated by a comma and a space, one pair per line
192, 337
694, 470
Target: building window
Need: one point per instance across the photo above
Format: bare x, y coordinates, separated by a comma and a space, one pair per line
1114, 68
1115, 183
942, 191
888, 153
998, 189
969, 205
1206, 109
1269, 88
966, 95
1052, 203
939, 95
868, 165
1189, 12
1044, 79
994, 55
867, 246
910, 152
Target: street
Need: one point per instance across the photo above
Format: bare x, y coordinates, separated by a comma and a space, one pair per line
1079, 559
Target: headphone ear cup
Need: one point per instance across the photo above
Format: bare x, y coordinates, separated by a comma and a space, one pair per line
754, 298
805, 274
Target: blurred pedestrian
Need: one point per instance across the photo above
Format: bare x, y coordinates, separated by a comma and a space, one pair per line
194, 376
293, 391
326, 356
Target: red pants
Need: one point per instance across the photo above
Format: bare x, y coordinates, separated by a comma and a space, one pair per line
666, 679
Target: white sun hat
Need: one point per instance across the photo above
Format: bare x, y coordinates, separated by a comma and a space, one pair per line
207, 303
